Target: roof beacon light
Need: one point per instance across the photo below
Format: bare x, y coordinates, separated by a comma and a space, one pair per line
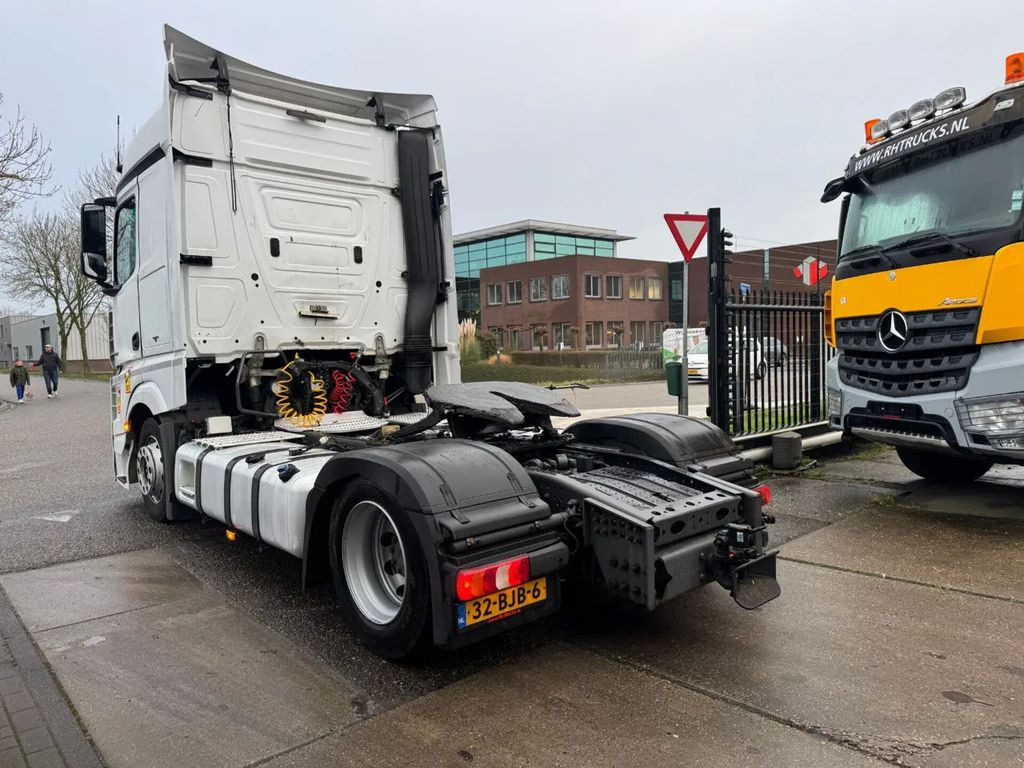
898, 120
868, 130
880, 130
951, 98
922, 110
1015, 68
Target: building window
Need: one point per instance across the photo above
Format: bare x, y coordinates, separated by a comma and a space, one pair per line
493, 294
28, 351
595, 330
499, 335
615, 333
540, 337
637, 333
514, 292
538, 289
654, 288
560, 287
562, 336
470, 258
675, 290
515, 339
17, 354
592, 286
657, 331
636, 287
613, 284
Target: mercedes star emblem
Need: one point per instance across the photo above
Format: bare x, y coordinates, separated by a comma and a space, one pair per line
893, 331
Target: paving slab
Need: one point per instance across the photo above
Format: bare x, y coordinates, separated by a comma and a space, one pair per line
890, 667
949, 551
183, 679
870, 471
563, 706
998, 497
89, 589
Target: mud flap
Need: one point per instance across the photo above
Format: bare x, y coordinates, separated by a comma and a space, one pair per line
754, 582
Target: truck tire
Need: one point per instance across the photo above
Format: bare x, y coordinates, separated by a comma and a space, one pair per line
151, 469
940, 468
380, 572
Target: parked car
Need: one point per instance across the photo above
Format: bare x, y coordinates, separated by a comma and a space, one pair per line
775, 352
697, 362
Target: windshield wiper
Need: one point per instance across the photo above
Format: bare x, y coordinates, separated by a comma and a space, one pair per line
873, 249
929, 237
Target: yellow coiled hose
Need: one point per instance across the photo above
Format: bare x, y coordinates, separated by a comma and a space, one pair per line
286, 407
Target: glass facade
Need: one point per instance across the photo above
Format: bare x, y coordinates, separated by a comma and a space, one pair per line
470, 258
548, 246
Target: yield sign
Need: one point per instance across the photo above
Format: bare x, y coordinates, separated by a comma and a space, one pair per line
688, 230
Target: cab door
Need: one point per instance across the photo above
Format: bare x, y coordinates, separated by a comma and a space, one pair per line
127, 339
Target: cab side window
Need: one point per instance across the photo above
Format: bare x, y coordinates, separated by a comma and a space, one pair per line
124, 243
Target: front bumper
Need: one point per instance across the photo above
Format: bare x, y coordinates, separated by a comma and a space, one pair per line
929, 422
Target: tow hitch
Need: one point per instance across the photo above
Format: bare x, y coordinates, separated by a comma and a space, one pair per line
749, 577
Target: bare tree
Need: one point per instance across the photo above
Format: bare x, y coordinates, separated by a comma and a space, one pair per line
38, 261
84, 297
24, 163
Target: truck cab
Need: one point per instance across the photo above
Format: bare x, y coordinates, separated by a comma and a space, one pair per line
924, 310
285, 348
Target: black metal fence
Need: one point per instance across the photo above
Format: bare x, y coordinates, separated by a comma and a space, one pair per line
773, 373
767, 351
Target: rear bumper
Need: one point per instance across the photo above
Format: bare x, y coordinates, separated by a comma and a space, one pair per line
931, 422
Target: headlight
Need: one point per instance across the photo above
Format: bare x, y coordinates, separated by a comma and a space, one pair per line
1003, 415
835, 401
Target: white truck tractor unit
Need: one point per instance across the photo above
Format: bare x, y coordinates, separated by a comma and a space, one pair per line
285, 347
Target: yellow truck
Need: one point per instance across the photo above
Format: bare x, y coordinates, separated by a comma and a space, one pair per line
927, 308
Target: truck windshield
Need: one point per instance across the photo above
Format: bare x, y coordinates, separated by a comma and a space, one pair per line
949, 192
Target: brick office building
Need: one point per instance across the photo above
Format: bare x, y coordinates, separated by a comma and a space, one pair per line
771, 267
575, 302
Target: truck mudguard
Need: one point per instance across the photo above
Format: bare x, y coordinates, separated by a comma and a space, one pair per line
451, 490
683, 441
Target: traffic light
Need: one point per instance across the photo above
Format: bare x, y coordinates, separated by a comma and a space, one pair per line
726, 241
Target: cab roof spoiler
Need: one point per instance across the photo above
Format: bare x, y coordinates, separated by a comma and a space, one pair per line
190, 60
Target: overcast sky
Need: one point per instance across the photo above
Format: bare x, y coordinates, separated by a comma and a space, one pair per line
590, 112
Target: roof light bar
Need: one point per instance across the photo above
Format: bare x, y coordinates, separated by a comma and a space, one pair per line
898, 120
880, 130
951, 98
922, 110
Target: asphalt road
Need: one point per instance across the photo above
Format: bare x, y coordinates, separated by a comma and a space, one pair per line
896, 640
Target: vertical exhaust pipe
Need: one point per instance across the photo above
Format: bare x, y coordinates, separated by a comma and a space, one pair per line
423, 258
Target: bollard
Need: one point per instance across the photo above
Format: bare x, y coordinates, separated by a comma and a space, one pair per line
787, 450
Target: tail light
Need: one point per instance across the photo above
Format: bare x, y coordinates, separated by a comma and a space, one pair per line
477, 582
765, 492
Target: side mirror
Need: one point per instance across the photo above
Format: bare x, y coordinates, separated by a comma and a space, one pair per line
94, 242
833, 190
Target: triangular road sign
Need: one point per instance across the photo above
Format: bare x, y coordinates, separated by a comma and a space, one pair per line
688, 229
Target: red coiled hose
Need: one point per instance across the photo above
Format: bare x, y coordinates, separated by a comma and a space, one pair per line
341, 392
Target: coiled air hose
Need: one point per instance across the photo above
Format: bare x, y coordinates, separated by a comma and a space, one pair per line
301, 396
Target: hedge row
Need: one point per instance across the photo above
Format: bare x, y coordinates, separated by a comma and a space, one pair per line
549, 374
615, 359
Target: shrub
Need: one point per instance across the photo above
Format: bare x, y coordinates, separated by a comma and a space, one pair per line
488, 344
469, 351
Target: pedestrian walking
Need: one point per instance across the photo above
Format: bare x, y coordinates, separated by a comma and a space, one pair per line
51, 364
20, 380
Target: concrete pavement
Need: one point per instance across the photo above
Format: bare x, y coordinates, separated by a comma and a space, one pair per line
896, 639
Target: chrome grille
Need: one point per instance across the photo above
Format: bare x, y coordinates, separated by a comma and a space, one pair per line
937, 356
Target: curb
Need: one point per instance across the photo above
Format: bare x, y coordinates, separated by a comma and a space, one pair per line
46, 710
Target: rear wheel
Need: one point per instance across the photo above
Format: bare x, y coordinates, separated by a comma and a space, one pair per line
762, 369
150, 467
941, 468
379, 572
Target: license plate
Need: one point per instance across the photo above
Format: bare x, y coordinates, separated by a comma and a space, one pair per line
692, 371
502, 604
